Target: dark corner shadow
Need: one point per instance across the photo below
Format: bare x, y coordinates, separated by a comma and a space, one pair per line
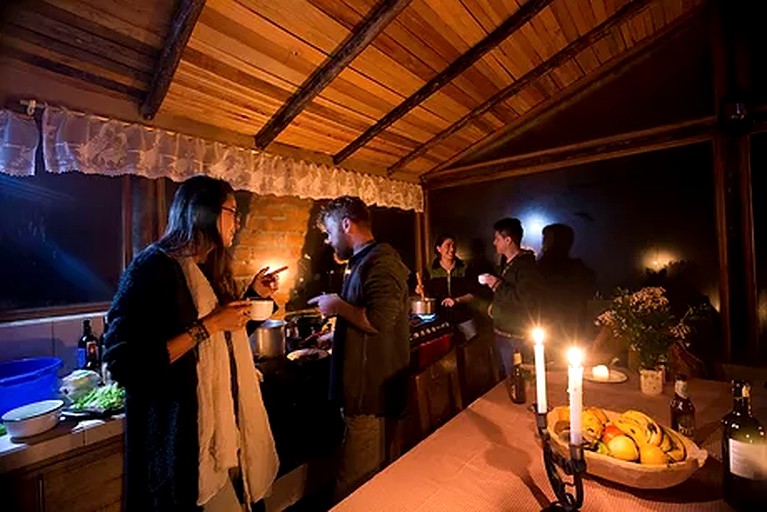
317, 271
511, 458
705, 485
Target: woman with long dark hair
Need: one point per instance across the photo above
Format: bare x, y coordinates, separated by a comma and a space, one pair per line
197, 435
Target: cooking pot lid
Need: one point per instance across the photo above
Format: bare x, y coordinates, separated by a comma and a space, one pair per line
272, 324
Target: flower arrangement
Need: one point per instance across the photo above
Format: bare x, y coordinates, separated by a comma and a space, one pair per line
643, 318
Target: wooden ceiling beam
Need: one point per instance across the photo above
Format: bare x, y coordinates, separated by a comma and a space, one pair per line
184, 20
566, 54
615, 146
458, 66
367, 30
586, 85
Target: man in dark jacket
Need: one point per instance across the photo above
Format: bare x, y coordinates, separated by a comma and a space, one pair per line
516, 289
371, 347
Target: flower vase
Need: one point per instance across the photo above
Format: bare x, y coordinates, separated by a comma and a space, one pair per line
651, 381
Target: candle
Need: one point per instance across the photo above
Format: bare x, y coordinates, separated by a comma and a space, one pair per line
540, 370
600, 372
575, 388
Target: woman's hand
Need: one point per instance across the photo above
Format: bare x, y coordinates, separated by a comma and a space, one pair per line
229, 317
449, 302
265, 284
419, 290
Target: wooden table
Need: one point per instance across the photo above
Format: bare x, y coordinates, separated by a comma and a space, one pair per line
487, 458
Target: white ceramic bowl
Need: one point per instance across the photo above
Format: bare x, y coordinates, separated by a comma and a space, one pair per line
261, 309
32, 419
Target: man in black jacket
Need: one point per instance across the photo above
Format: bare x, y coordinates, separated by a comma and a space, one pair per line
371, 347
517, 289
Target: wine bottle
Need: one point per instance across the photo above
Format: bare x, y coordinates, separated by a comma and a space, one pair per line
744, 453
682, 409
517, 386
87, 343
105, 376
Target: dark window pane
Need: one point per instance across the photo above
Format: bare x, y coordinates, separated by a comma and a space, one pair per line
633, 217
60, 240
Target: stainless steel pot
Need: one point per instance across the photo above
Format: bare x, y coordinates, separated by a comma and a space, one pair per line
422, 306
268, 340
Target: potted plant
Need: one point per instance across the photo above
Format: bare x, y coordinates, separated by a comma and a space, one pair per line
644, 321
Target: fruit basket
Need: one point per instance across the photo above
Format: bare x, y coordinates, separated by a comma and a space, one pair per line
682, 456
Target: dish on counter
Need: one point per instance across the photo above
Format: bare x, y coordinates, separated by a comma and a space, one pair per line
308, 354
614, 377
32, 419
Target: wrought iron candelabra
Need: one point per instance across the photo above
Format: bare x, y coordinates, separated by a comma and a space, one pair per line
573, 466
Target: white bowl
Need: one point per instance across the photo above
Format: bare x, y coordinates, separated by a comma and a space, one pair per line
261, 309
32, 419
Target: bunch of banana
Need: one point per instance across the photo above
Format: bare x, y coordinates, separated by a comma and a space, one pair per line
657, 445
594, 420
640, 427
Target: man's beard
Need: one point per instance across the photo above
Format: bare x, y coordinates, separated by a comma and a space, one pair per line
344, 251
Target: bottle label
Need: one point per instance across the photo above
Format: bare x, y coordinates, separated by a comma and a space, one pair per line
517, 358
680, 388
92, 351
748, 460
686, 425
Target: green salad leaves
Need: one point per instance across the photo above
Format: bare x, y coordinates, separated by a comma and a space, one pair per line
104, 398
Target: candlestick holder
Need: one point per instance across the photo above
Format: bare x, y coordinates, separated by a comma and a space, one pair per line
556, 464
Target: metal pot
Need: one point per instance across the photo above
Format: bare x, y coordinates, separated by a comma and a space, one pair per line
268, 340
422, 306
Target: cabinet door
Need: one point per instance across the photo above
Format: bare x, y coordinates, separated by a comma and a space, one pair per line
22, 492
86, 483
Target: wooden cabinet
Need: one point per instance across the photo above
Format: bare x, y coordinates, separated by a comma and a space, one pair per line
438, 394
477, 367
88, 479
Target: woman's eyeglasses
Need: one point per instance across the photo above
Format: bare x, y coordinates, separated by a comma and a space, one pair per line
233, 211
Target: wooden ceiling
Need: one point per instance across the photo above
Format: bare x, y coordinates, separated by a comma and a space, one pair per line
428, 82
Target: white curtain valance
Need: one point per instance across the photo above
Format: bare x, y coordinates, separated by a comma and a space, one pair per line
73, 141
18, 143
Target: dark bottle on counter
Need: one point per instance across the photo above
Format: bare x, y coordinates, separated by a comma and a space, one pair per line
517, 385
744, 453
88, 343
682, 409
102, 364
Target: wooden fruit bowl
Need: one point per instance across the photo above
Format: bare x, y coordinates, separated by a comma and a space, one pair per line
634, 474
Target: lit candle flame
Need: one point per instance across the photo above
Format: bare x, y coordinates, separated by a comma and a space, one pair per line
575, 357
538, 335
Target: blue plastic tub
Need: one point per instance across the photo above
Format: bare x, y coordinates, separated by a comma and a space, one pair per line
24, 381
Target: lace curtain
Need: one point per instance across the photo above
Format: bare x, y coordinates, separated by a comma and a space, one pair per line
95, 145
18, 144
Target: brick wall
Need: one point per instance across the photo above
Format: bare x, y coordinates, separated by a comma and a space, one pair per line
273, 233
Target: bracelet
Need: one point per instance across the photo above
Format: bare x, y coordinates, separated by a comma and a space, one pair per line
198, 332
